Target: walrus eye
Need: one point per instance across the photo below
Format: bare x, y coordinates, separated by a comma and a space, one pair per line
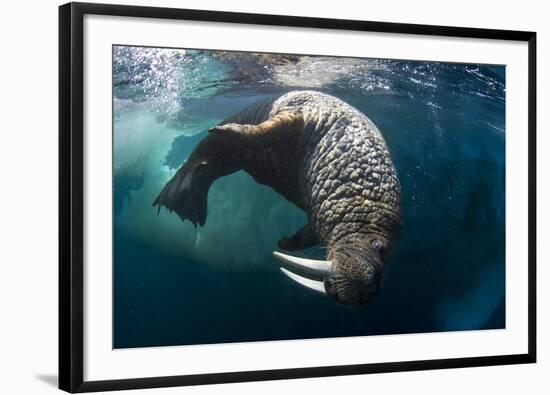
377, 245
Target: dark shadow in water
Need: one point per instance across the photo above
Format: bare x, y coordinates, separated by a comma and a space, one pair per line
50, 379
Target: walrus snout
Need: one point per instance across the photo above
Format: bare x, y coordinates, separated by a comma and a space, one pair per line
359, 263
356, 291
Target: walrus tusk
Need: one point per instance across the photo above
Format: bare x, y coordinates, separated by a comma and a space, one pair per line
319, 268
306, 282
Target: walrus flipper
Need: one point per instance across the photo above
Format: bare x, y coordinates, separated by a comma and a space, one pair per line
272, 130
187, 191
304, 238
183, 195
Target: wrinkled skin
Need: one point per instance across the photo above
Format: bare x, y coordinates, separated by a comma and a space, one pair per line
324, 156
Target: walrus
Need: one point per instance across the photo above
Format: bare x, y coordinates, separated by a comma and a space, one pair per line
327, 158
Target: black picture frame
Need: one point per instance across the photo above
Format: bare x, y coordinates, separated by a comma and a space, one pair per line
71, 205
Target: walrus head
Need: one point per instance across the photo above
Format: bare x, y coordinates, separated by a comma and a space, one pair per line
352, 272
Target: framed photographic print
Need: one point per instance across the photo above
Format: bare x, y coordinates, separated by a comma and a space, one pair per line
258, 197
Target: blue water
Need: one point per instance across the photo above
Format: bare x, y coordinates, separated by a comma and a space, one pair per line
174, 285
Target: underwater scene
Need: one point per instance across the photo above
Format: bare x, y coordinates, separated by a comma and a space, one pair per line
397, 166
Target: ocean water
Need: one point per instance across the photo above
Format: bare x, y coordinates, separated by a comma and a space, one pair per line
175, 284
